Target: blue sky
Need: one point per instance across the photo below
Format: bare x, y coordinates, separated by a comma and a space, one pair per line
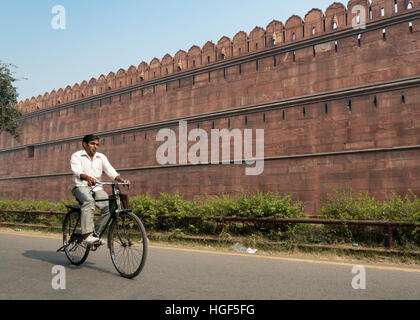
103, 35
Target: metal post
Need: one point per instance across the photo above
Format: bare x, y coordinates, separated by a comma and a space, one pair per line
389, 235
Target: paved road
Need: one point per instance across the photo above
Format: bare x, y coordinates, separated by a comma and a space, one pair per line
172, 273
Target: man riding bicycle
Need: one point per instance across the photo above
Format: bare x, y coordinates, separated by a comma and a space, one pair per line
87, 166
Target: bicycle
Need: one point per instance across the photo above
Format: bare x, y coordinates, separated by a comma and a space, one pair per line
126, 235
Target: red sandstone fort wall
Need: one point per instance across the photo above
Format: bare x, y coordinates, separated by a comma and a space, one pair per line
318, 134
310, 129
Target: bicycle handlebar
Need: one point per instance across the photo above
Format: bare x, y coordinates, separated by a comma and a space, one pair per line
111, 183
99, 183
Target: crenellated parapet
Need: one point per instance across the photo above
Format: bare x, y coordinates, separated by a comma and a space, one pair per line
316, 23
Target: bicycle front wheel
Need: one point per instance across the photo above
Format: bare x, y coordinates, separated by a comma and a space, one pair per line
128, 244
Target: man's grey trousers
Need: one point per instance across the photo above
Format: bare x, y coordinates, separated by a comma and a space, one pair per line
85, 196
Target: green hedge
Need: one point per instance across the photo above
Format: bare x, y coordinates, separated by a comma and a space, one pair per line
341, 204
29, 205
35, 205
347, 205
174, 209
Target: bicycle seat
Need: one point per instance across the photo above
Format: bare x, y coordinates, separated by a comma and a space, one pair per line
72, 206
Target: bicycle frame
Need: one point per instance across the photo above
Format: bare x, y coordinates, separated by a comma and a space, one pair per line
115, 196
114, 212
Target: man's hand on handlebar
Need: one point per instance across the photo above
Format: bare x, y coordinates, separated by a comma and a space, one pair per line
119, 179
91, 181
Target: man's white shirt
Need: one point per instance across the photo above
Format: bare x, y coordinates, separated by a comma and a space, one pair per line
82, 164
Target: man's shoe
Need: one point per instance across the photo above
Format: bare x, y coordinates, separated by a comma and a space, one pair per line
101, 241
90, 240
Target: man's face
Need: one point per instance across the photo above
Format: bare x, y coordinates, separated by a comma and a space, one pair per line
91, 147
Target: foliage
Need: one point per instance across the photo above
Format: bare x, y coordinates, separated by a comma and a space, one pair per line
34, 205
175, 209
31, 205
168, 213
347, 205
8, 100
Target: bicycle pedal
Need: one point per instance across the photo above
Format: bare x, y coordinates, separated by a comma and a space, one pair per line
61, 249
95, 246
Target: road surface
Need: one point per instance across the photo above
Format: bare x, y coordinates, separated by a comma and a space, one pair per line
174, 273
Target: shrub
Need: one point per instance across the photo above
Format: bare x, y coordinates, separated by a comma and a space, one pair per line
346, 205
174, 209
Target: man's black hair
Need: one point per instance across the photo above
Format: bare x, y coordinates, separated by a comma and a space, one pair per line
90, 137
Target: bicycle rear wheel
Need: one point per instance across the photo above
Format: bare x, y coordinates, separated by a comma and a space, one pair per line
76, 251
127, 242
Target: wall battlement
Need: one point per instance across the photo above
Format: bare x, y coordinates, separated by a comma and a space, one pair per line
315, 24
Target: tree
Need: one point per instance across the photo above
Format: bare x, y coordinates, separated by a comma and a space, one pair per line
8, 99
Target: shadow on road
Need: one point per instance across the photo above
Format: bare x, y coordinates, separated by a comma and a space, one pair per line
57, 258
47, 256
